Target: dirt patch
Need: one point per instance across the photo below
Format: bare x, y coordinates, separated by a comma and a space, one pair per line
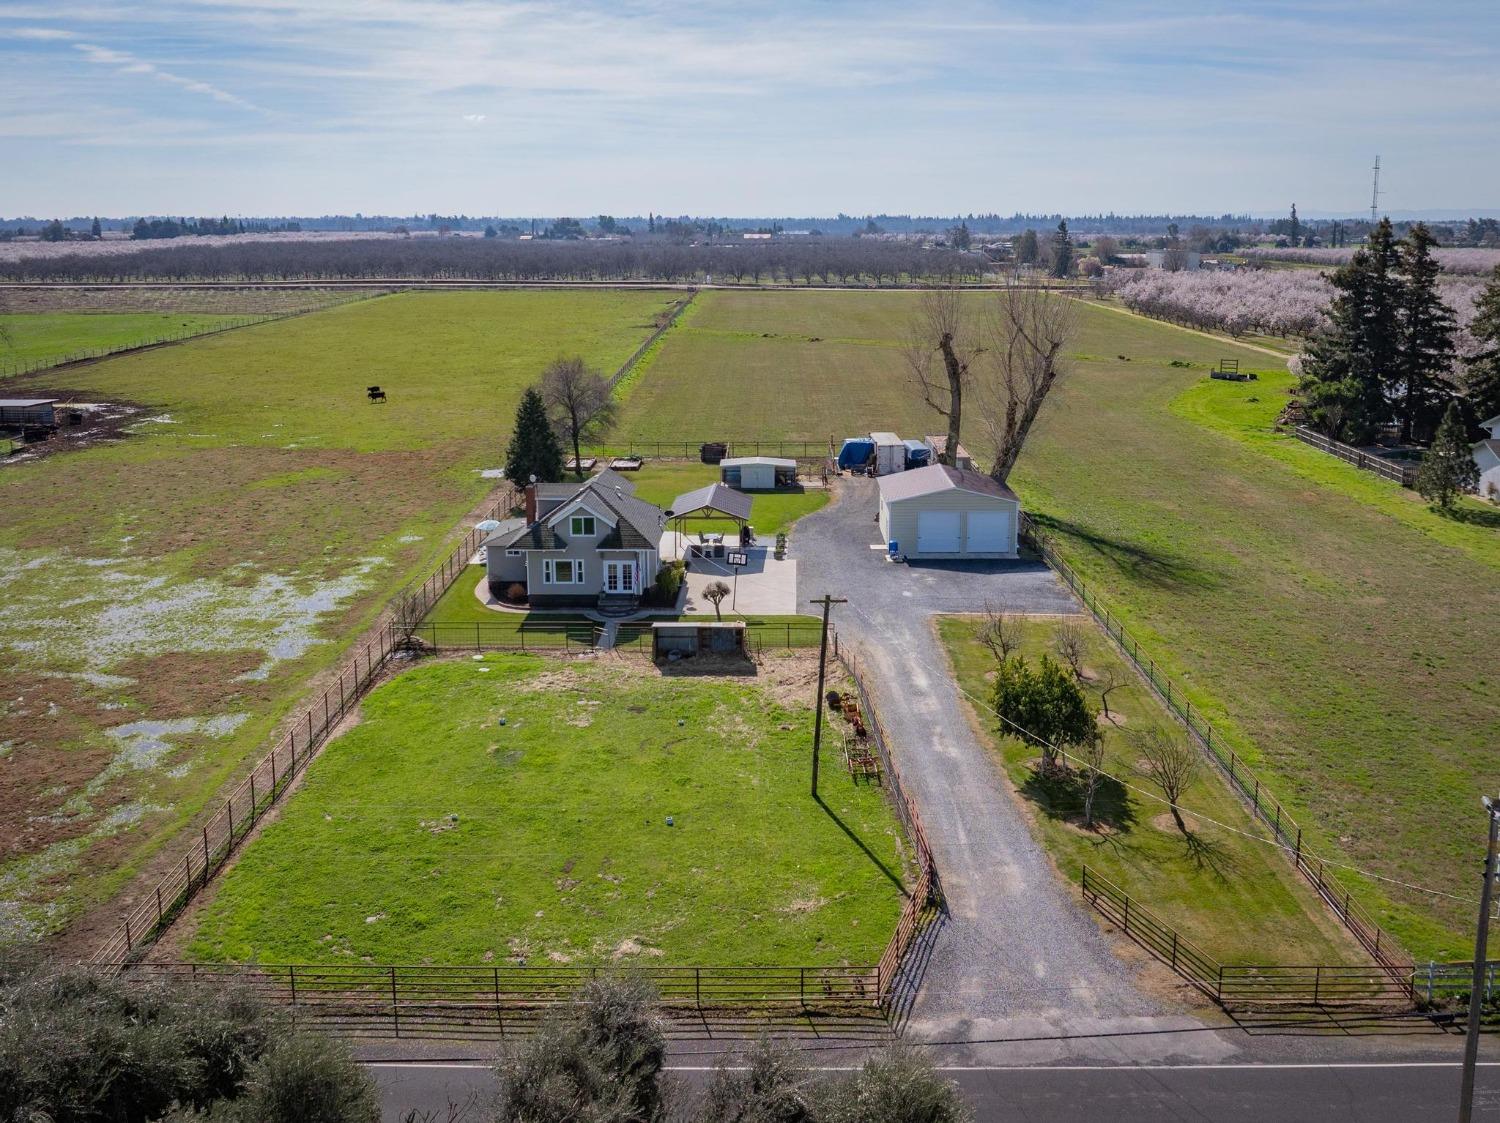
1165, 822
99, 421
183, 684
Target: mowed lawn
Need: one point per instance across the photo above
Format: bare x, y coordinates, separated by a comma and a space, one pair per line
27, 338
165, 599
1338, 632
1228, 892
616, 816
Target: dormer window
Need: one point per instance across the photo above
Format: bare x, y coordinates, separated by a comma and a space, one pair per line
582, 526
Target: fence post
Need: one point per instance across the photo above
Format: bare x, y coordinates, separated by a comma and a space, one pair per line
802, 985
1127, 914
395, 1006
291, 974
252, 799
1174, 949
698, 986
1429, 980
205, 857
158, 906
1317, 983
499, 1014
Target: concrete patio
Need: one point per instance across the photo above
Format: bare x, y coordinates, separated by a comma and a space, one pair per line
765, 586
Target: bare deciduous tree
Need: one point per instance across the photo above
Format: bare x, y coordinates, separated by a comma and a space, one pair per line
1106, 680
407, 611
1031, 329
941, 331
1091, 753
1000, 632
580, 402
1067, 641
1169, 762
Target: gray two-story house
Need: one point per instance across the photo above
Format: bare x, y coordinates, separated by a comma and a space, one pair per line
581, 545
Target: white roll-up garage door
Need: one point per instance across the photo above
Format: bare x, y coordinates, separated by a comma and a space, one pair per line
937, 532
989, 532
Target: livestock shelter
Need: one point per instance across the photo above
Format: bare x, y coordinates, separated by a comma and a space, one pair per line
758, 473
942, 512
28, 413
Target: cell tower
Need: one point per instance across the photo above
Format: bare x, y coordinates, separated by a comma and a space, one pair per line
1375, 195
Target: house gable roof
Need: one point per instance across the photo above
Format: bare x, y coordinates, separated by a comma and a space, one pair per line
637, 525
938, 478
1490, 448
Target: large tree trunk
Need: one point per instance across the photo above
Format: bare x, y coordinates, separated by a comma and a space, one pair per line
955, 370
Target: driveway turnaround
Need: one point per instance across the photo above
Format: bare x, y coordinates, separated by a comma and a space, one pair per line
1015, 952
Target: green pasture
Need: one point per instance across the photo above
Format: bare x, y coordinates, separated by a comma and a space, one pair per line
27, 338
201, 571
516, 807
1221, 885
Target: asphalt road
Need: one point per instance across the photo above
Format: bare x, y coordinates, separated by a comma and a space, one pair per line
1384, 1091
1015, 954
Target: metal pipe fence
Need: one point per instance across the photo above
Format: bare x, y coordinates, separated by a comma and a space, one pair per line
786, 449
495, 1001
1241, 985
1403, 474
760, 635
1284, 829
212, 844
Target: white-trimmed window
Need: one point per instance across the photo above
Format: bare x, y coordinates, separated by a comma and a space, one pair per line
562, 571
582, 526
514, 553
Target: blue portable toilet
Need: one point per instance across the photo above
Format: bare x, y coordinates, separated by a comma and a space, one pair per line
918, 455
856, 452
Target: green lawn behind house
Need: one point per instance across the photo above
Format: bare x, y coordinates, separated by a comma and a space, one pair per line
432, 832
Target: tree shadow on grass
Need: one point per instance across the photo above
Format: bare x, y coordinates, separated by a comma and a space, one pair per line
1060, 795
1204, 853
1151, 566
881, 866
1473, 516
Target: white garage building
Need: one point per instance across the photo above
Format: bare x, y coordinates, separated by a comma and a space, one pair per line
943, 512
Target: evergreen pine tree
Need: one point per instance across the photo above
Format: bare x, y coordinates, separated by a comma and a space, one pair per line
1062, 251
1295, 226
1482, 368
1418, 386
1448, 467
95, 229
534, 449
1346, 362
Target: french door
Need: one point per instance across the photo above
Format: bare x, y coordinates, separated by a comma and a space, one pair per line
619, 577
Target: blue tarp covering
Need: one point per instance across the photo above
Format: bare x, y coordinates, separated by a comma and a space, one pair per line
918, 455
856, 452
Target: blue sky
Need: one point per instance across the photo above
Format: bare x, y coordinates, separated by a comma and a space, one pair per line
402, 106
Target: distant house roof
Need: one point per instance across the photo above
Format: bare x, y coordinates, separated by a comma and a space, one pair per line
715, 497
741, 461
27, 403
1492, 423
638, 525
939, 478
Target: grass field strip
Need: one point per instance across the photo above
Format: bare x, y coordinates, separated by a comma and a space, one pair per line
14, 370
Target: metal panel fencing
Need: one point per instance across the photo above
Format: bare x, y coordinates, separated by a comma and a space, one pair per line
1403, 474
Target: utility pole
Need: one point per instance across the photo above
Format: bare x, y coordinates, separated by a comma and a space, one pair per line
1481, 941
827, 602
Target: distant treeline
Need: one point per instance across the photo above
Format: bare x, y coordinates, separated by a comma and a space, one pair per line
145, 229
804, 261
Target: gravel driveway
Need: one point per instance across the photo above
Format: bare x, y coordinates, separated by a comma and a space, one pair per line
1016, 953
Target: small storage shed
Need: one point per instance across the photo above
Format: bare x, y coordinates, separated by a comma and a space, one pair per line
943, 512
682, 639
758, 473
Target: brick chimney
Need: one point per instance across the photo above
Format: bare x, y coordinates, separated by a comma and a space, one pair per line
530, 494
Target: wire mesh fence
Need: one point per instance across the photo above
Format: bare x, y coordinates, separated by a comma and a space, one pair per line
1284, 829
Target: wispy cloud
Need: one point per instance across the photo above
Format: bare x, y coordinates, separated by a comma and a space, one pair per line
42, 34
126, 63
474, 118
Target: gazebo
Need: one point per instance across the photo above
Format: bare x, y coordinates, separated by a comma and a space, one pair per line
716, 501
